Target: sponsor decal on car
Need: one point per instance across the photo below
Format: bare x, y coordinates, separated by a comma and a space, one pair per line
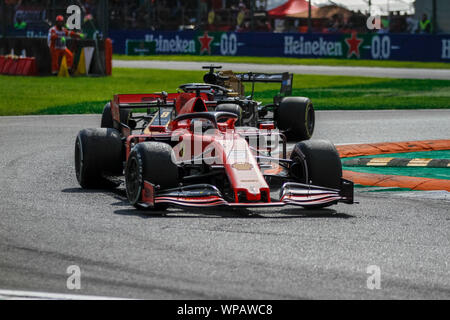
242, 166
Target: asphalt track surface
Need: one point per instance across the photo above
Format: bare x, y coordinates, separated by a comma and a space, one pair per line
405, 73
48, 223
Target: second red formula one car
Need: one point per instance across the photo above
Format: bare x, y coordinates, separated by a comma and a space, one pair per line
185, 155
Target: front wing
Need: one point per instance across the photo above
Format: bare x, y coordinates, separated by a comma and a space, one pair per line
206, 195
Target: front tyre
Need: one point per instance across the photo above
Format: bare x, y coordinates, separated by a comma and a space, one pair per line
296, 116
152, 162
98, 152
323, 163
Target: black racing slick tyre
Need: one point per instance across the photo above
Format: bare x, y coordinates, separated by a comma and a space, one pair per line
233, 108
296, 116
107, 119
98, 152
323, 164
150, 161
230, 107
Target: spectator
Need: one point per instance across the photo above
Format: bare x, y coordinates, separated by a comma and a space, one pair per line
335, 24
385, 24
211, 17
176, 8
291, 26
89, 7
397, 24
89, 27
240, 16
203, 9
268, 26
246, 27
57, 43
263, 26
412, 24
425, 24
162, 12
20, 24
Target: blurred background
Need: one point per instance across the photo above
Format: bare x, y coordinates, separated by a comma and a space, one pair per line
34, 17
403, 30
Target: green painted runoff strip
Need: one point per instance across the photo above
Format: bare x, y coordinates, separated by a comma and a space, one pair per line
424, 172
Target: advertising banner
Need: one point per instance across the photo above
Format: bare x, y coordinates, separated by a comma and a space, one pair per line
139, 47
372, 46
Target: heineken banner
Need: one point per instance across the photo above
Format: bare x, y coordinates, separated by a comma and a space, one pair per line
139, 47
346, 46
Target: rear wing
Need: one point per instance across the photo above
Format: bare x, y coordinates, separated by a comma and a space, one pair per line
284, 78
163, 103
141, 101
128, 101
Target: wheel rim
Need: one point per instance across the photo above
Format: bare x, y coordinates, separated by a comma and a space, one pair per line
133, 181
310, 120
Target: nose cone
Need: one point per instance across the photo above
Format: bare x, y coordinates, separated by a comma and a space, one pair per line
244, 173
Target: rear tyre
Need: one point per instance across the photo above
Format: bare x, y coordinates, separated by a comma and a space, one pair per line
98, 152
323, 163
296, 116
107, 119
150, 161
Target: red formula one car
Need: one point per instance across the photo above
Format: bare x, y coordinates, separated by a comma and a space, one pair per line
179, 153
225, 91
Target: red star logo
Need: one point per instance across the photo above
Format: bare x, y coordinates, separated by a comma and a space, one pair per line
205, 42
353, 45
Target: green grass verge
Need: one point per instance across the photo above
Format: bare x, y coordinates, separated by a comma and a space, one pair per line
290, 61
52, 95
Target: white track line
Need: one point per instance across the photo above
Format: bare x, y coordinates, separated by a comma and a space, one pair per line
33, 295
406, 73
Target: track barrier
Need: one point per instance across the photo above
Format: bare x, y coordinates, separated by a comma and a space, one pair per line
18, 66
99, 58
